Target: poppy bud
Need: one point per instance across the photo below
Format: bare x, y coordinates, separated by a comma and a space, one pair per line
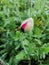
27, 25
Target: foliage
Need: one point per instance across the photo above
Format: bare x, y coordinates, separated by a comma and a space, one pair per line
16, 45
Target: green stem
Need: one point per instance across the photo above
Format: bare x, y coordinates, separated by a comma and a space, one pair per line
29, 62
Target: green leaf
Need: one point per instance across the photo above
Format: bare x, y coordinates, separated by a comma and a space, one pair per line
37, 31
20, 55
